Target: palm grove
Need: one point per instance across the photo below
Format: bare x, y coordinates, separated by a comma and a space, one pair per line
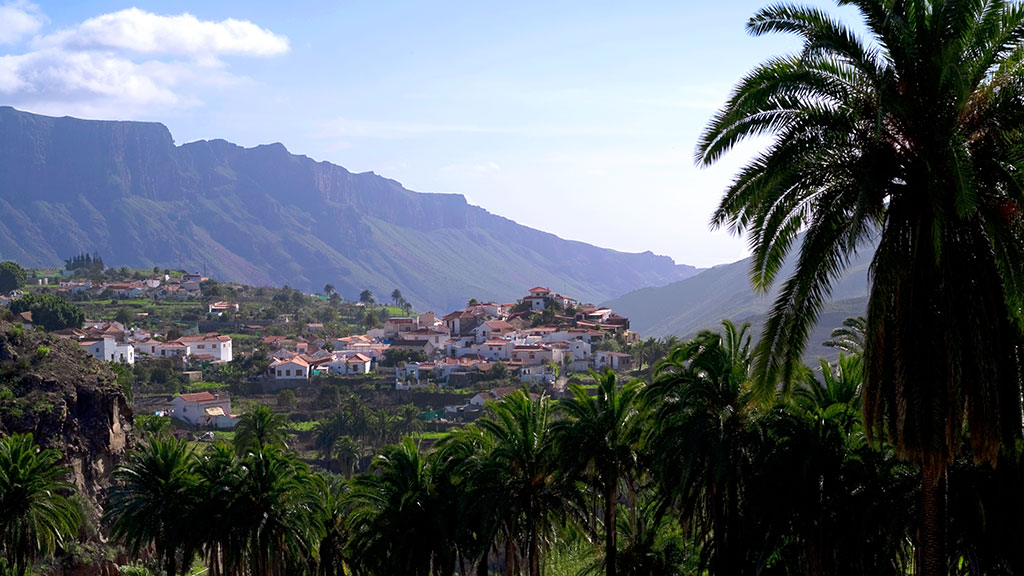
903, 456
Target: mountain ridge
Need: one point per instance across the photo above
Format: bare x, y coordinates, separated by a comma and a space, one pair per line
724, 292
262, 215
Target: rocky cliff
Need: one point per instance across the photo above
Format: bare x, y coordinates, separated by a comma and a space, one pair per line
67, 400
264, 216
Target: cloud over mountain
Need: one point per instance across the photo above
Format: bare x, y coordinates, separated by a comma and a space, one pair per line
126, 61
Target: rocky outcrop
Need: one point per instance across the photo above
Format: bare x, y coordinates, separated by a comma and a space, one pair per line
68, 400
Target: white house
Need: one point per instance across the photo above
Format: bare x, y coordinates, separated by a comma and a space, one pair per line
294, 368
204, 410
211, 346
537, 373
350, 364
495, 349
109, 350
618, 361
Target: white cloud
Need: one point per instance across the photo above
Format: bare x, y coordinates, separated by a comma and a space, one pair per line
128, 61
139, 32
18, 20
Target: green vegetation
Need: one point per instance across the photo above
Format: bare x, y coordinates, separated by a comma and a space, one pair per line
12, 276
37, 517
49, 311
912, 140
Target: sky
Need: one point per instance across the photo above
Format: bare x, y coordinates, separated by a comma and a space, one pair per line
576, 118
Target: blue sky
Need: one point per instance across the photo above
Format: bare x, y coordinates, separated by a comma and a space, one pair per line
578, 118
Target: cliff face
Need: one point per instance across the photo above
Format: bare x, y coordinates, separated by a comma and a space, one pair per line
67, 400
264, 216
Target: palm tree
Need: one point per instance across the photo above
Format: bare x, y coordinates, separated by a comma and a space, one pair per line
333, 555
366, 297
599, 440
328, 289
519, 474
150, 502
396, 295
36, 517
465, 484
849, 337
276, 520
704, 434
217, 474
393, 519
259, 428
911, 139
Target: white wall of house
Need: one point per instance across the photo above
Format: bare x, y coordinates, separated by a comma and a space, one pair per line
110, 350
290, 370
188, 409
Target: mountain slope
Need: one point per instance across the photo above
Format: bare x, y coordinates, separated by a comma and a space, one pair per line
724, 292
265, 216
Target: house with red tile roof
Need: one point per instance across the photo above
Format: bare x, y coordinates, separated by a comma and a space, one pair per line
204, 410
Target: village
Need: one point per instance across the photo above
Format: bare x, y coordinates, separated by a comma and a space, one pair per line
537, 342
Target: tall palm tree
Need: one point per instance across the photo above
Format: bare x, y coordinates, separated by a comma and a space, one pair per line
520, 474
36, 517
151, 501
705, 437
599, 439
465, 484
260, 428
276, 520
218, 477
911, 138
393, 519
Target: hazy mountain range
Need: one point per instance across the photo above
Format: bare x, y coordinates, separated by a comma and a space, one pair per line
702, 301
264, 216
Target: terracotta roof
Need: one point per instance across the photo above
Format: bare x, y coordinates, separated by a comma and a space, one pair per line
197, 397
539, 289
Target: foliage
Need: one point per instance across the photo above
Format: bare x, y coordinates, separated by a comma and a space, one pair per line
913, 139
12, 276
260, 428
49, 311
37, 517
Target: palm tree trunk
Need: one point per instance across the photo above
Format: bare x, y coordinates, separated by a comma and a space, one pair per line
931, 552
610, 551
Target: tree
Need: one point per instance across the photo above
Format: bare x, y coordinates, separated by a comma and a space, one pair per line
704, 433
396, 295
12, 276
328, 289
394, 518
124, 316
150, 502
520, 476
599, 440
49, 311
259, 428
366, 297
273, 515
37, 516
370, 320
913, 141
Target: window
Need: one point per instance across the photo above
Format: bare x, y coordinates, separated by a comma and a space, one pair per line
287, 372
201, 346
278, 371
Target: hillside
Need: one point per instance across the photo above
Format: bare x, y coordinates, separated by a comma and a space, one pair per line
264, 216
69, 401
724, 292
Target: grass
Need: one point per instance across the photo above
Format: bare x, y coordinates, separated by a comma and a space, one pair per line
429, 435
303, 426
